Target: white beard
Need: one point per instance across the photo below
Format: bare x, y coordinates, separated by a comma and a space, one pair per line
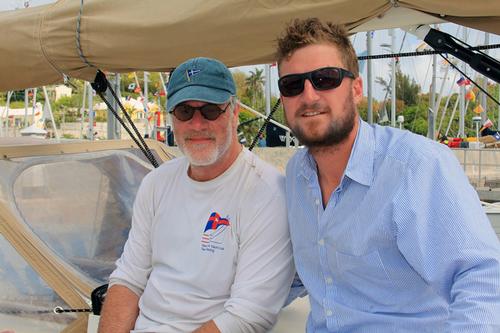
207, 154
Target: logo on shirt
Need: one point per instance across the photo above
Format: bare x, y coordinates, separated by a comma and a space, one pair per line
212, 239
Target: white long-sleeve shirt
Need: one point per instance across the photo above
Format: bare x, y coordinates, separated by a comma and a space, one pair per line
217, 250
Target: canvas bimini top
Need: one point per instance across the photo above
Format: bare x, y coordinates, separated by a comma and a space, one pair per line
40, 44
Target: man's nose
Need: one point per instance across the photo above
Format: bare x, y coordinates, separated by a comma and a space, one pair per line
198, 120
309, 93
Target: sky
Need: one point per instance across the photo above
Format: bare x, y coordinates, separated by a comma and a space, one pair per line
417, 68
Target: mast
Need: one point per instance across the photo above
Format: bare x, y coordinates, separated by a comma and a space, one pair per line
461, 124
5, 115
82, 110
90, 101
47, 103
33, 106
267, 86
484, 100
369, 77
26, 102
431, 119
392, 33
113, 126
146, 111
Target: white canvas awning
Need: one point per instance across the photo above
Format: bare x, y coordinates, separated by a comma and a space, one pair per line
39, 44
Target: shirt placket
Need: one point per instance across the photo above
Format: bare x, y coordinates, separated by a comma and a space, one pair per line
324, 217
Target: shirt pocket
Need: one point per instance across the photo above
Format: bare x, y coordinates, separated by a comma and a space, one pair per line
363, 281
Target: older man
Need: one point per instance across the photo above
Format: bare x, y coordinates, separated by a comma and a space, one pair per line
209, 248
388, 235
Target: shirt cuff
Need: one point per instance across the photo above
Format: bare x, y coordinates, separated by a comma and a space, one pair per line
134, 289
229, 323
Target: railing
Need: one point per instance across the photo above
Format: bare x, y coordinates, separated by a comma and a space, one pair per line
288, 138
482, 166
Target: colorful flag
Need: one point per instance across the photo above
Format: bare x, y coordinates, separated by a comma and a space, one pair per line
215, 221
487, 124
463, 82
478, 109
470, 96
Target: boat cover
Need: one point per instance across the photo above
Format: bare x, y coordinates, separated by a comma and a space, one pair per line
40, 44
65, 212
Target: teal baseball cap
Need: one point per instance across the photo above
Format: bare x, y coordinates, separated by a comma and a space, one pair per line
200, 79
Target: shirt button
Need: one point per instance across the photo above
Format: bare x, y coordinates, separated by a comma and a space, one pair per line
329, 280
321, 242
317, 202
329, 312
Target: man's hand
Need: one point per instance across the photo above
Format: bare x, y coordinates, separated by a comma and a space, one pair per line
120, 311
208, 327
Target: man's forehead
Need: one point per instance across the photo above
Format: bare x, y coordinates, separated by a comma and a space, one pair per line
195, 103
309, 57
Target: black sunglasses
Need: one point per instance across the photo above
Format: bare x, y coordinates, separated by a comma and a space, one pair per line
322, 79
185, 112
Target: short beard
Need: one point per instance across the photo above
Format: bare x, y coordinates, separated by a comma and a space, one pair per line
214, 155
337, 131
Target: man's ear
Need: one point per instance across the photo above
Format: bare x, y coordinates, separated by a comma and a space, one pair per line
236, 112
357, 90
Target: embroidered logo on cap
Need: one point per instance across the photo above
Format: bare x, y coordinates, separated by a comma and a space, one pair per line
212, 238
191, 72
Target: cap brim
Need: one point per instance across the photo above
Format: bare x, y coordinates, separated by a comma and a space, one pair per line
198, 93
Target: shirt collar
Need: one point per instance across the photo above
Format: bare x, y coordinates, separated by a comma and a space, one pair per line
360, 165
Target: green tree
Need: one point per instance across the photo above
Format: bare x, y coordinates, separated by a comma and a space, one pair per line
241, 86
407, 89
255, 83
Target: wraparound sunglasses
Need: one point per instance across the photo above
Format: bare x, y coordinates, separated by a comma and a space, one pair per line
321, 79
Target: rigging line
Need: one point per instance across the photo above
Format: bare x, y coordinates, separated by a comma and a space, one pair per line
113, 111
471, 80
445, 108
148, 153
390, 81
422, 53
452, 115
450, 93
268, 119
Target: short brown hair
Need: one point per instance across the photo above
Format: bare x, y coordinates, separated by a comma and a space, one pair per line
300, 33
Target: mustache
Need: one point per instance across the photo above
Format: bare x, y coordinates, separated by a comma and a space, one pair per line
318, 107
198, 134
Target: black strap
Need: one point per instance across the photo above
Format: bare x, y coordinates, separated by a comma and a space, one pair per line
100, 85
263, 127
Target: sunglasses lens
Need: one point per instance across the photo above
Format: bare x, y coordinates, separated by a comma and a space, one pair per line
291, 85
183, 112
326, 78
211, 111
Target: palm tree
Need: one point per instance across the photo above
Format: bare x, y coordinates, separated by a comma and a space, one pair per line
255, 83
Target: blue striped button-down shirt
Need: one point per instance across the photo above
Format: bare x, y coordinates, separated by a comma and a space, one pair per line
403, 244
